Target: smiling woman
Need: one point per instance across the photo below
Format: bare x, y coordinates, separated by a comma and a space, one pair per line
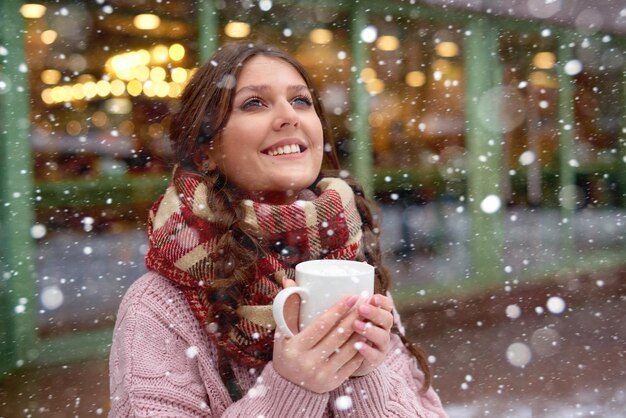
256, 191
272, 144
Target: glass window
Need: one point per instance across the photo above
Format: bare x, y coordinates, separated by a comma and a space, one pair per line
102, 78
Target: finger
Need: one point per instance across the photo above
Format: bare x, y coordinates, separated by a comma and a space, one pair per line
292, 308
341, 355
326, 322
378, 316
371, 354
338, 336
351, 366
383, 302
378, 336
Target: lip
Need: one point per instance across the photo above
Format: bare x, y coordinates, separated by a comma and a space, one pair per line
287, 141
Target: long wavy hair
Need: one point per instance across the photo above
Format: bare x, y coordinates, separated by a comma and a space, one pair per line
204, 109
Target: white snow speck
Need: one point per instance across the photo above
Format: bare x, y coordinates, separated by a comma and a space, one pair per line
265, 5
513, 311
51, 297
490, 204
369, 34
573, 67
556, 305
192, 351
343, 403
38, 231
518, 354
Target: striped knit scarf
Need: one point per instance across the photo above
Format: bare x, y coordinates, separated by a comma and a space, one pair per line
183, 242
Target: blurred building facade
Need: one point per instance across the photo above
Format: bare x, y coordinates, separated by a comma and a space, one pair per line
482, 111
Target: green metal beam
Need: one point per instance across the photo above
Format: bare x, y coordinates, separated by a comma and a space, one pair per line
208, 27
361, 157
17, 280
622, 145
567, 170
484, 150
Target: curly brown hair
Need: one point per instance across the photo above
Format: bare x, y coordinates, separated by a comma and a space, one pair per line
204, 110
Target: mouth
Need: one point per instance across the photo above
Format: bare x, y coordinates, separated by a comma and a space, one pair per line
284, 150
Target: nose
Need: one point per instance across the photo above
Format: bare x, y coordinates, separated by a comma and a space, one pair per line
285, 115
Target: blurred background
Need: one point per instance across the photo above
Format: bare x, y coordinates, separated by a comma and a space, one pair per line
492, 134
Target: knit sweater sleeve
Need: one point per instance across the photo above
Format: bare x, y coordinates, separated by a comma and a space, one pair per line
162, 364
391, 390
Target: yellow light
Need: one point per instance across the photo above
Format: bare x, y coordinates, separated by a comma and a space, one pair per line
123, 65
376, 119
415, 79
161, 88
117, 87
126, 128
237, 29
141, 73
83, 78
50, 76
89, 88
147, 21
175, 89
160, 54
441, 65
156, 130
57, 94
368, 74
46, 96
77, 91
143, 56
375, 86
543, 79
73, 127
544, 60
33, 10
99, 118
177, 52
118, 106
321, 36
103, 88
157, 74
134, 87
179, 75
148, 88
48, 36
67, 93
447, 49
387, 43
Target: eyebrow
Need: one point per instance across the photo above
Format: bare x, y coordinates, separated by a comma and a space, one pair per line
260, 88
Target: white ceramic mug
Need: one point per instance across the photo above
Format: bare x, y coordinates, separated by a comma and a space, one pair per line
321, 284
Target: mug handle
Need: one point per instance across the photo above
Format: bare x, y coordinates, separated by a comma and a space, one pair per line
279, 306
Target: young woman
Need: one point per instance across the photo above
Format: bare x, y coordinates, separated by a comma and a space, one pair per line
256, 190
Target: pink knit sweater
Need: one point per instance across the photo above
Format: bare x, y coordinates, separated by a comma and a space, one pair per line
163, 364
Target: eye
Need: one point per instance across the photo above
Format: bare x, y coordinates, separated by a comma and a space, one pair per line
302, 101
251, 103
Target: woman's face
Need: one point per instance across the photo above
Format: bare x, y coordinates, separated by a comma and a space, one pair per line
272, 146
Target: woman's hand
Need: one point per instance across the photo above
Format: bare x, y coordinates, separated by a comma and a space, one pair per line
375, 325
323, 355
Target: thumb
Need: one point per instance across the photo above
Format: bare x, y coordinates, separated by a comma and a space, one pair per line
292, 308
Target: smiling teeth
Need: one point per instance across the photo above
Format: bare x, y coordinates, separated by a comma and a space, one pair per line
287, 149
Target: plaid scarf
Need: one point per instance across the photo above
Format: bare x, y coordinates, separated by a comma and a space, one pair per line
182, 248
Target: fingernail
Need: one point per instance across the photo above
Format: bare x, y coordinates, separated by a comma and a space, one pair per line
360, 325
377, 300
350, 301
